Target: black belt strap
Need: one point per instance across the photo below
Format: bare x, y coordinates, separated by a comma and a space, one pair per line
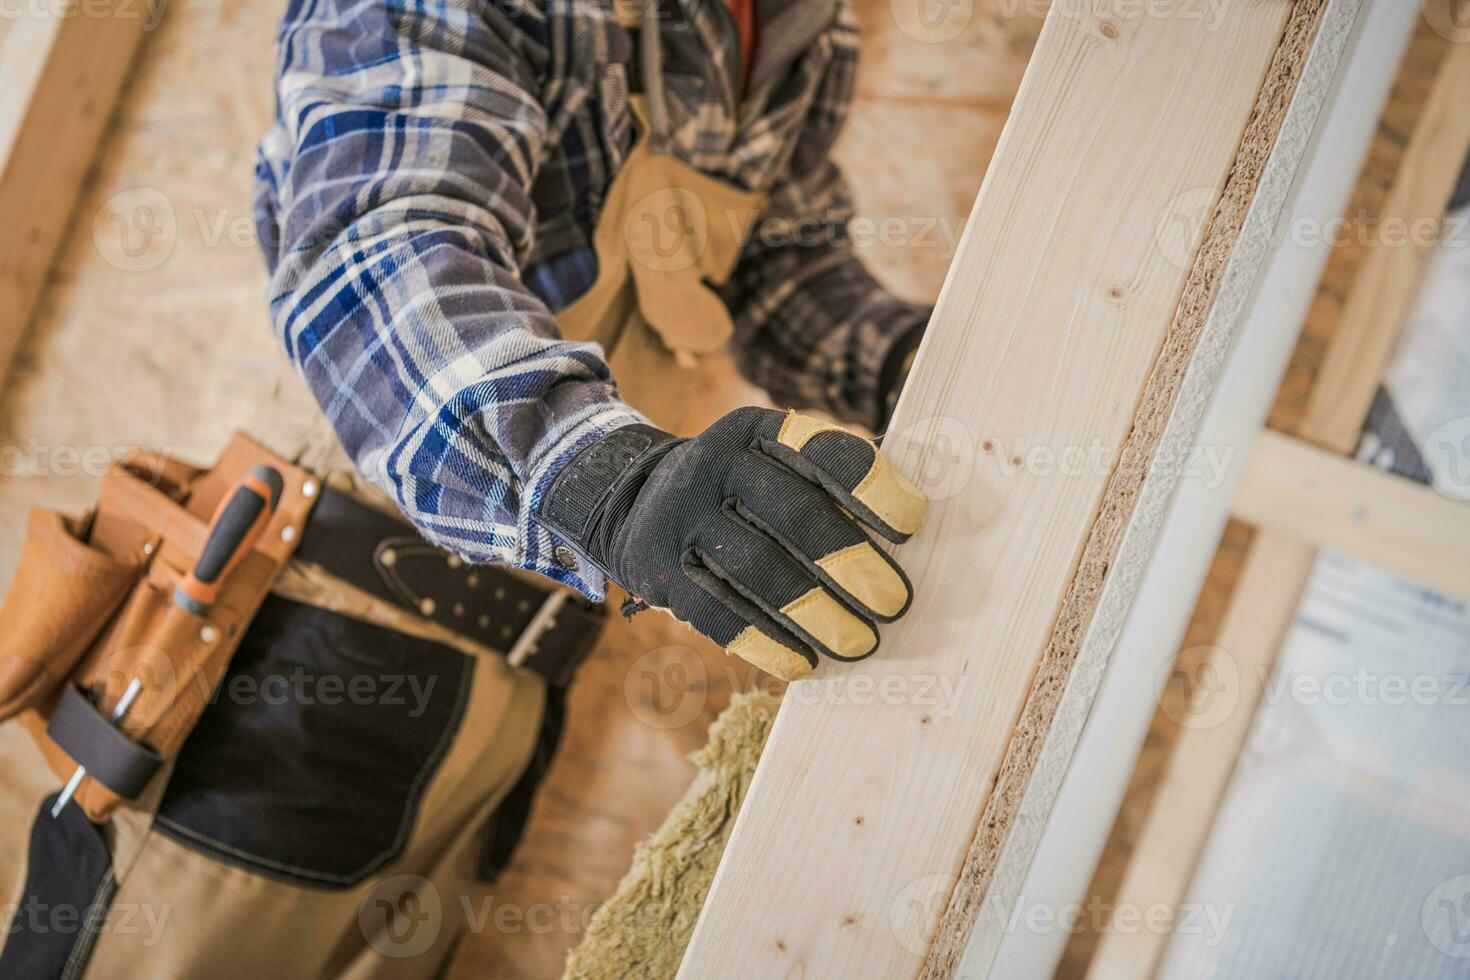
91, 738
542, 628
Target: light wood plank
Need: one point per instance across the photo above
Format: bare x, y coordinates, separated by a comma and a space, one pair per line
1329, 501
1050, 324
1225, 694
1388, 280
61, 68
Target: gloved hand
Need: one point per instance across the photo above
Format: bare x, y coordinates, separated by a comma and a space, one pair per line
749, 532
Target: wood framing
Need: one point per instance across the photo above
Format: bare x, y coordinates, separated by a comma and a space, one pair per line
1071, 313
62, 66
1295, 489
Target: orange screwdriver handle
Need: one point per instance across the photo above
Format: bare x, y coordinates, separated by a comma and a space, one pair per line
233, 530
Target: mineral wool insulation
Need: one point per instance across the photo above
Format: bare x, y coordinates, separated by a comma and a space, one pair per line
1342, 848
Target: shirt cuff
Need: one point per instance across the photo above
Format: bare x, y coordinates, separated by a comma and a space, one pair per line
543, 550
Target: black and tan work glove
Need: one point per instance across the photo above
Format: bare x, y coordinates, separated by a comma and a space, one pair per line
750, 532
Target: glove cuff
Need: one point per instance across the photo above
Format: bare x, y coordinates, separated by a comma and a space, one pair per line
594, 490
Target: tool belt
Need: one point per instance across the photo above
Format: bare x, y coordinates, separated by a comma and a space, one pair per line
92, 612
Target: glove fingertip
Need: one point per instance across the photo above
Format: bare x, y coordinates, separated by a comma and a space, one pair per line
892, 498
770, 655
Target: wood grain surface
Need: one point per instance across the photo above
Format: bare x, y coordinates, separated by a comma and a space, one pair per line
1051, 321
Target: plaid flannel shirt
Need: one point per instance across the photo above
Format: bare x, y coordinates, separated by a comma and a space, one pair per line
426, 202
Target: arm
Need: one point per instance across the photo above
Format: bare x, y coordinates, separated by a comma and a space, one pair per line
812, 325
393, 202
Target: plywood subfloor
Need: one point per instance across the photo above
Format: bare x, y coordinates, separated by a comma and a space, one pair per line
154, 333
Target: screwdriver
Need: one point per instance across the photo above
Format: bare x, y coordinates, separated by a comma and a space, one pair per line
233, 530
69, 790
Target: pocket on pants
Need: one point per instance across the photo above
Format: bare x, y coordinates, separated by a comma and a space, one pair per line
310, 762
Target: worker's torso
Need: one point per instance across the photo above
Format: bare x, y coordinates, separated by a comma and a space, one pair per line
749, 137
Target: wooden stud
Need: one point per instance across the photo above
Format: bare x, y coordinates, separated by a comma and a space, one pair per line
1065, 321
1294, 489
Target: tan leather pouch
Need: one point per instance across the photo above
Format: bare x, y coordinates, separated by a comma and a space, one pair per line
148, 530
64, 593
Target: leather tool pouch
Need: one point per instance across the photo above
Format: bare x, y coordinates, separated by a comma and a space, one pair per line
89, 611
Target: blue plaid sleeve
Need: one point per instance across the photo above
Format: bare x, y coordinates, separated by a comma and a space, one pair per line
393, 203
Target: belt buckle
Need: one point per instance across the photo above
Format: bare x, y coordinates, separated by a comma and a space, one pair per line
541, 622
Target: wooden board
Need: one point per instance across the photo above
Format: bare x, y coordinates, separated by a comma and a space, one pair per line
61, 68
1295, 489
1051, 333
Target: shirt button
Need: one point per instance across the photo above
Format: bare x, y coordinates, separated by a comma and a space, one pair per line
565, 558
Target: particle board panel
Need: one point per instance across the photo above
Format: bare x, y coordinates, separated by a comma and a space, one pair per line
1295, 489
1088, 265
61, 68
